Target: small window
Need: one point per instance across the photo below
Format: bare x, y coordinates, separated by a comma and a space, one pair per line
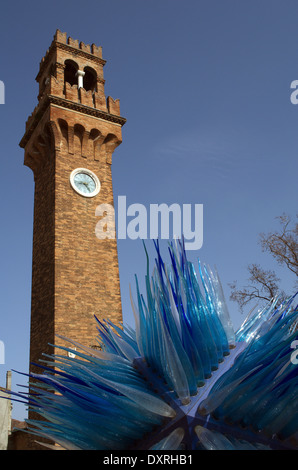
70, 71
90, 79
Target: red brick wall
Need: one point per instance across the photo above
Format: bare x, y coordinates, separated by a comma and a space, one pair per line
75, 275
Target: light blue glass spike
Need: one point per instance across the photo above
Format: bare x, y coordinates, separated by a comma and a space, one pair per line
126, 348
212, 440
173, 308
171, 442
203, 322
289, 415
143, 399
173, 381
272, 421
93, 352
222, 342
186, 361
189, 319
215, 399
245, 391
221, 307
174, 366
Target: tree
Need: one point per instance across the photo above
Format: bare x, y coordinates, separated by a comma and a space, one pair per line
264, 284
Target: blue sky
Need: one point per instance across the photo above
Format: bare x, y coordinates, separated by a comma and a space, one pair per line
205, 88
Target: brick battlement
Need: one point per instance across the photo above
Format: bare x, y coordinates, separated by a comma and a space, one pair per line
73, 46
93, 49
56, 88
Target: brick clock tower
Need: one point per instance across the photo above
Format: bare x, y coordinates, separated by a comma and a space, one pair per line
69, 141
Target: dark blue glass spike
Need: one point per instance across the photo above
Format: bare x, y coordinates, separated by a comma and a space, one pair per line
182, 353
173, 263
123, 335
105, 337
180, 332
59, 372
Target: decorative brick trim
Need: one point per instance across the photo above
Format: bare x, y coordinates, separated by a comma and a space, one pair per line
63, 103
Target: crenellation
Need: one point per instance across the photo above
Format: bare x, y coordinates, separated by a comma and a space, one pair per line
100, 101
113, 106
55, 83
44, 57
86, 97
85, 47
55, 86
60, 37
93, 49
71, 92
31, 117
60, 46
73, 42
96, 50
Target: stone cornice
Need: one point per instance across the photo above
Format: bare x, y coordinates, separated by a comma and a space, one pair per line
63, 103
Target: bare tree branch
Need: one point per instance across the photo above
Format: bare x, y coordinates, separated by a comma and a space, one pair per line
283, 246
264, 284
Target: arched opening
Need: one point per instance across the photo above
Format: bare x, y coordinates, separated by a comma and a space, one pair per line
90, 79
78, 139
64, 132
49, 138
95, 138
70, 71
94, 134
110, 143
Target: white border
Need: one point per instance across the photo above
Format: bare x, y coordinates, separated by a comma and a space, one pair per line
88, 172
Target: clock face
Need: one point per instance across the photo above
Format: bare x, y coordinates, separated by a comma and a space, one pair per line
85, 182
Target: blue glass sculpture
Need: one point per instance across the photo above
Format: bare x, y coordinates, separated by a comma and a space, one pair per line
181, 379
